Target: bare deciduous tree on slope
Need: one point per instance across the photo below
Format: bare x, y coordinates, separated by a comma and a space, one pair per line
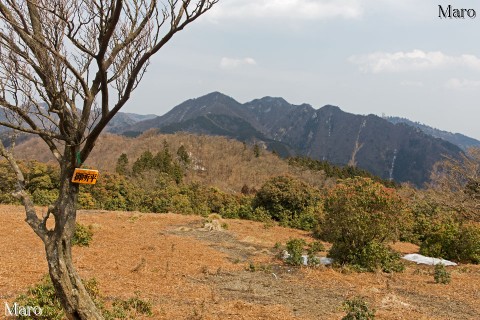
66, 68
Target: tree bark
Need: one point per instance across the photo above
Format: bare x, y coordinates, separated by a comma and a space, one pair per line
68, 284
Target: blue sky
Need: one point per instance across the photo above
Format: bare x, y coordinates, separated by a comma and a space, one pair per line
365, 56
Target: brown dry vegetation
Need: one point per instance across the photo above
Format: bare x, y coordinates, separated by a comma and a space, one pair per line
190, 273
228, 163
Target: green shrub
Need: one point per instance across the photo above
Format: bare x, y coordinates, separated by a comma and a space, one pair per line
427, 215
468, 244
441, 275
180, 203
453, 240
261, 214
296, 247
374, 256
86, 200
312, 249
442, 232
152, 191
306, 219
7, 186
315, 247
116, 202
290, 201
439, 241
360, 217
295, 251
241, 209
43, 197
82, 236
43, 295
218, 201
357, 309
110, 193
252, 267
129, 309
41, 181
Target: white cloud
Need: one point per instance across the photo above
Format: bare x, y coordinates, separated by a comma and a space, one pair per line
415, 60
411, 83
232, 63
462, 84
318, 9
291, 9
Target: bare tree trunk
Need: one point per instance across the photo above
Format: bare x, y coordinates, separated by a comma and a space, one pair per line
68, 284
69, 288
55, 54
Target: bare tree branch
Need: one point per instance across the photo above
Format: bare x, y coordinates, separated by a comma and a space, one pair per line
457, 183
66, 68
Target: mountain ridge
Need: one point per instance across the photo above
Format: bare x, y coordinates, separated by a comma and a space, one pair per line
392, 151
461, 140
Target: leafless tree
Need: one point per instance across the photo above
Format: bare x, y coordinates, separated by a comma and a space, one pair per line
456, 183
66, 68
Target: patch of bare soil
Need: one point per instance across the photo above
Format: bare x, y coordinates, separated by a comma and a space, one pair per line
189, 272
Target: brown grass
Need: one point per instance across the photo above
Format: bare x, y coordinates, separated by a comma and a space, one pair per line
189, 273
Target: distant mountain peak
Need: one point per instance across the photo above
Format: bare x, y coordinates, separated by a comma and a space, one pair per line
398, 152
329, 107
277, 100
215, 95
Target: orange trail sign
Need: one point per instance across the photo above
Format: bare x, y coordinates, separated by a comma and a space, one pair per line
85, 176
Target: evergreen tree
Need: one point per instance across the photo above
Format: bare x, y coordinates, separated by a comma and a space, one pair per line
122, 164
143, 163
164, 162
177, 173
256, 150
183, 155
163, 159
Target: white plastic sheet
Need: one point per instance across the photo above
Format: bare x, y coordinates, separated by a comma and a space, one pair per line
419, 259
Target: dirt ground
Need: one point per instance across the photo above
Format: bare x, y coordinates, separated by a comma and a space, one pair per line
188, 272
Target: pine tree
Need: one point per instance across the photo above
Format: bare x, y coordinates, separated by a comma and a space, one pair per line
143, 163
183, 155
122, 164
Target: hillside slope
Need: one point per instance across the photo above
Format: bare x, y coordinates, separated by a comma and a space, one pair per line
216, 161
458, 139
187, 272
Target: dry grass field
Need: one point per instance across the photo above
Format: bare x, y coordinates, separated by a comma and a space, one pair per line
187, 272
